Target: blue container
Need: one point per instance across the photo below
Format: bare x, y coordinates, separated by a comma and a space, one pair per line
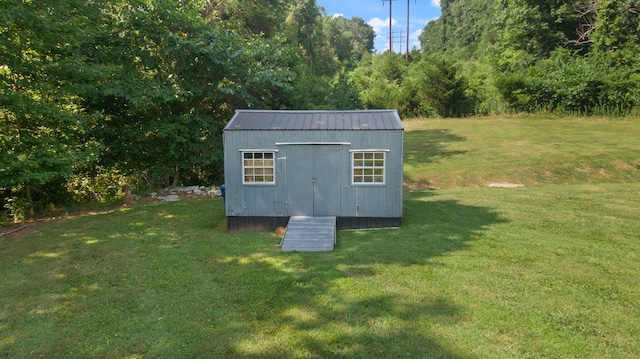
223, 189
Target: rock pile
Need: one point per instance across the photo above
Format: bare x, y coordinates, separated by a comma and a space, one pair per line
176, 193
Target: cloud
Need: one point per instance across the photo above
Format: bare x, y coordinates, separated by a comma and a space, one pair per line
337, 15
381, 29
435, 3
379, 25
413, 39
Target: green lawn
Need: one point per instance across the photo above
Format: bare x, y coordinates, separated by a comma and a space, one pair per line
548, 270
523, 149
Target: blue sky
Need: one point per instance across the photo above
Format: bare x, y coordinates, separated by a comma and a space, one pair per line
376, 14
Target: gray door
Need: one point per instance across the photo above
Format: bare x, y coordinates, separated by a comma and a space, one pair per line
314, 180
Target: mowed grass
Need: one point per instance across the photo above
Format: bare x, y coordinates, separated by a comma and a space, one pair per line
549, 270
529, 150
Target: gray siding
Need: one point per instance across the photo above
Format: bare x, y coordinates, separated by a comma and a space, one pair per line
275, 200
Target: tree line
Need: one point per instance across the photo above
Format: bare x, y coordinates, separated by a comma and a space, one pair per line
97, 97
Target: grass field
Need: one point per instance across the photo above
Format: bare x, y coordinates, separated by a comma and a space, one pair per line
524, 150
548, 270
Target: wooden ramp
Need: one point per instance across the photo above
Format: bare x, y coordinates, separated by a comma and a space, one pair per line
309, 234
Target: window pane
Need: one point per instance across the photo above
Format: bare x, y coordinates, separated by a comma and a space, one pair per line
368, 167
258, 167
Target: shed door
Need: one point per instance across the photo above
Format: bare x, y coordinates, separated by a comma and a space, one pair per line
314, 180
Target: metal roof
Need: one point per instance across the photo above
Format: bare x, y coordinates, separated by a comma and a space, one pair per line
288, 120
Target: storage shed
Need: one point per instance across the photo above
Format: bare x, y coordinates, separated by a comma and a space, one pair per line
280, 164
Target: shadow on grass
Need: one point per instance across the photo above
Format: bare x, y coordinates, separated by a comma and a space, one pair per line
368, 298
427, 146
162, 281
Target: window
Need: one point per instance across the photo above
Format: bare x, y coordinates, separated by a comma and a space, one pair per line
258, 167
368, 167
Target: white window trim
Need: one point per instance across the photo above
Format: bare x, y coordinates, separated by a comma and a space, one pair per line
384, 167
242, 167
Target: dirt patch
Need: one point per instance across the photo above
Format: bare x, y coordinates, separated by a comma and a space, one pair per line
505, 185
16, 231
419, 186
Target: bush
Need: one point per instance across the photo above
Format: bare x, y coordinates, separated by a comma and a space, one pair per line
436, 83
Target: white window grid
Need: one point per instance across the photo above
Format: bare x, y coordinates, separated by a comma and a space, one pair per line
368, 167
258, 167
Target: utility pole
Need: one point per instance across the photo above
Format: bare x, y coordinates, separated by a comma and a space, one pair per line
390, 23
406, 54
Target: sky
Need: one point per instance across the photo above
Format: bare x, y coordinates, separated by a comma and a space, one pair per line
376, 14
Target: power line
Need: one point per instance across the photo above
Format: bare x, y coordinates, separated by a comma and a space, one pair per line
391, 27
399, 36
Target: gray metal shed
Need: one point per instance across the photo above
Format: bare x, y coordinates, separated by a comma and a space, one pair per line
279, 164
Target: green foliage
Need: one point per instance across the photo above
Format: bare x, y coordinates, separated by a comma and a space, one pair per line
378, 79
259, 17
350, 39
41, 72
543, 55
180, 78
617, 32
432, 37
98, 185
512, 88
567, 83
437, 85
305, 29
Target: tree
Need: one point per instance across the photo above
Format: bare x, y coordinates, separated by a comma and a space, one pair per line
259, 17
617, 32
350, 39
378, 78
40, 73
304, 28
435, 82
176, 79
